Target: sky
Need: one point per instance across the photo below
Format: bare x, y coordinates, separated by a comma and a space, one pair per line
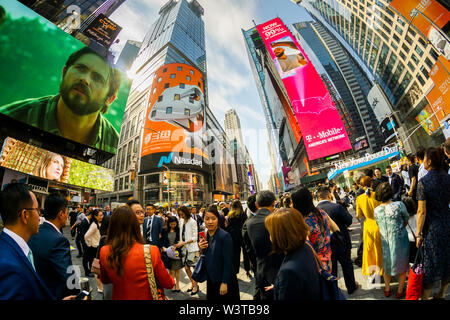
231, 83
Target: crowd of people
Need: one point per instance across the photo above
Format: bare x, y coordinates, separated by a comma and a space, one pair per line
285, 243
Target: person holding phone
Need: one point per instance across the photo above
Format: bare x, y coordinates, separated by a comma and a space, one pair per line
217, 246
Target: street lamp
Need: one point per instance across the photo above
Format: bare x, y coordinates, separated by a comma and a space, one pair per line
168, 186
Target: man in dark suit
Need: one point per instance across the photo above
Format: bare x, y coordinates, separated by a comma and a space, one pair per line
20, 215
197, 218
107, 212
395, 182
339, 253
51, 249
153, 226
267, 264
247, 251
78, 241
379, 178
82, 229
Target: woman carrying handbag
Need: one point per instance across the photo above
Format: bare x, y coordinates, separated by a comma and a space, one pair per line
134, 270
188, 245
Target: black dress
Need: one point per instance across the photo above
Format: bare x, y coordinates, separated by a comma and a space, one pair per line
434, 188
234, 228
219, 266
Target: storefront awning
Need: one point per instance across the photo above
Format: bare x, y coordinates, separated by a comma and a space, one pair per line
313, 178
368, 160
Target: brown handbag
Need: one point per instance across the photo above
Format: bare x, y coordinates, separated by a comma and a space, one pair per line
157, 294
95, 267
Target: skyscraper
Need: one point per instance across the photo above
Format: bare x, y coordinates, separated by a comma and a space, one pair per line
57, 11
128, 54
233, 127
392, 50
177, 36
351, 83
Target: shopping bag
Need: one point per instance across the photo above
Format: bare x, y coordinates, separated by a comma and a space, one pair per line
415, 278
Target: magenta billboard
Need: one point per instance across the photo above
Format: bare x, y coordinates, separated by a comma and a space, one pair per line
321, 126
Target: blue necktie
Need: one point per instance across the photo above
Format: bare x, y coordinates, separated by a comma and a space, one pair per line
31, 259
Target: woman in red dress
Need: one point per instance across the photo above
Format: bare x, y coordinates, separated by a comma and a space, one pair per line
122, 261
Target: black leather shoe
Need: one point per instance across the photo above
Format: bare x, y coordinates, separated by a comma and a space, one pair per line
194, 292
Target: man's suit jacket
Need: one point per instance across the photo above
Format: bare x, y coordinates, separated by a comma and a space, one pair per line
377, 181
18, 280
340, 215
51, 251
247, 246
267, 264
397, 185
156, 230
82, 229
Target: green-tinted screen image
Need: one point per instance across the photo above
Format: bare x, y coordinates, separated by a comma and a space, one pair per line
33, 53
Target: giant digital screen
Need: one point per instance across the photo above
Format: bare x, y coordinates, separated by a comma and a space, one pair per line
53, 82
174, 123
317, 116
19, 156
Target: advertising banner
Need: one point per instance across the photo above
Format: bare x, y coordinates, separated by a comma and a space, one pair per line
415, 10
446, 127
319, 121
361, 145
428, 121
11, 176
439, 96
378, 103
174, 122
388, 127
103, 30
289, 179
54, 83
28, 159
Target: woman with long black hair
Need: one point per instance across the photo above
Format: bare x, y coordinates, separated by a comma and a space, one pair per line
92, 236
320, 225
433, 222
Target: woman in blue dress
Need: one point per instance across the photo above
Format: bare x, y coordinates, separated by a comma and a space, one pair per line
392, 219
433, 222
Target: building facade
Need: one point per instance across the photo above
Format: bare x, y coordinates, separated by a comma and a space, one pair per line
176, 37
346, 83
394, 54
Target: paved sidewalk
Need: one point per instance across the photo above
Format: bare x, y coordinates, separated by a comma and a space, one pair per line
246, 285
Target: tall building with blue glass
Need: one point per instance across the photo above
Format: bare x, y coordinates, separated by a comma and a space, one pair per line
177, 36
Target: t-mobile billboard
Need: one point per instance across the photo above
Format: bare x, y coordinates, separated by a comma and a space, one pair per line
319, 121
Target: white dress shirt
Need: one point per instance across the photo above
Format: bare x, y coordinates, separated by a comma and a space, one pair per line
56, 228
422, 172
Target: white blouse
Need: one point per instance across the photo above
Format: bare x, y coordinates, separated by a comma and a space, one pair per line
92, 236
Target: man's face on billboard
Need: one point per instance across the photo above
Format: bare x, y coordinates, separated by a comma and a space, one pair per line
85, 85
279, 52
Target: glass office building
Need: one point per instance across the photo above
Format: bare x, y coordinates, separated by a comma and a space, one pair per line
177, 36
391, 51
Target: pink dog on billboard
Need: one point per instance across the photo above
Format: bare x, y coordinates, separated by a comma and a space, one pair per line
319, 121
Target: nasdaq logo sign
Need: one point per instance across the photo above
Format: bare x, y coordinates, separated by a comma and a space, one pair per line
165, 160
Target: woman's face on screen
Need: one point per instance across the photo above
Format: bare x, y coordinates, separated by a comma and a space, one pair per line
55, 168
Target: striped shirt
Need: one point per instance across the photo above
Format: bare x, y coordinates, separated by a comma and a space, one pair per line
41, 113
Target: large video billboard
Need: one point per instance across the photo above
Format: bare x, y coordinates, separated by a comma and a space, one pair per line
20, 156
319, 121
174, 122
53, 82
439, 96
